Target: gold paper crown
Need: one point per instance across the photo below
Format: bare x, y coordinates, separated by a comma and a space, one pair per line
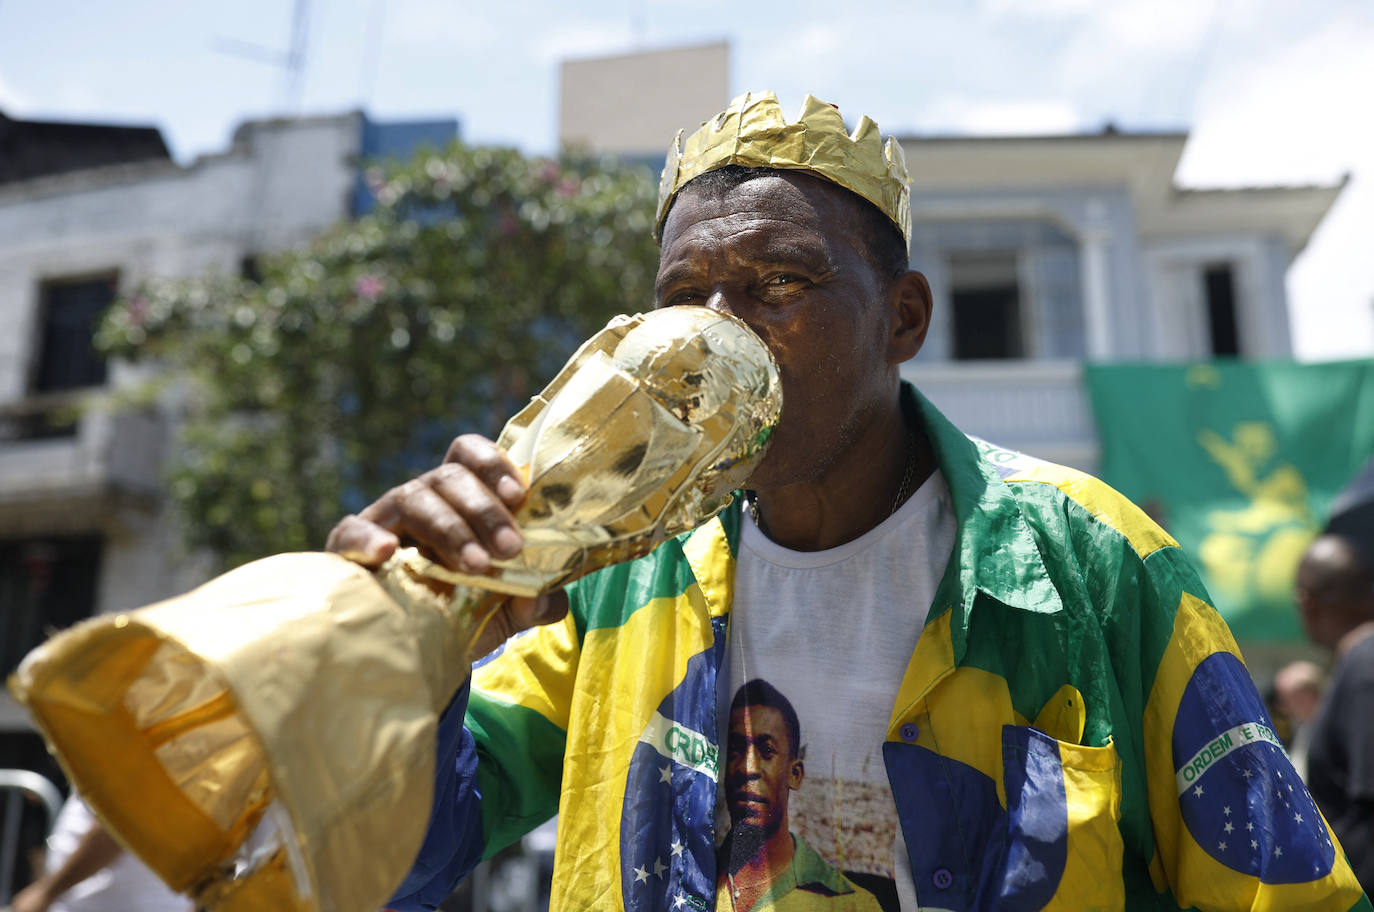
752, 132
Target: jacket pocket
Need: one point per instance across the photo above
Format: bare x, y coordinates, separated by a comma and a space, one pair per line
1062, 848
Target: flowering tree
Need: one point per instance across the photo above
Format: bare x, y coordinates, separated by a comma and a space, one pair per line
348, 366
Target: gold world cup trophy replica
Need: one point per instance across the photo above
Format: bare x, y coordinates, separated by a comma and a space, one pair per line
267, 741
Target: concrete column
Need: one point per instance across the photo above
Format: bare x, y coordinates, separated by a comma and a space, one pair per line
1096, 293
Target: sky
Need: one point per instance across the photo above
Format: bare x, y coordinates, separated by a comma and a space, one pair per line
1273, 92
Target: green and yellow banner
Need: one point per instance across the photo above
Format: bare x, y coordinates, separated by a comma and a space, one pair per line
1239, 462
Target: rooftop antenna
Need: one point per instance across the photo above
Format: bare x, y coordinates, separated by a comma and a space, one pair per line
637, 24
291, 61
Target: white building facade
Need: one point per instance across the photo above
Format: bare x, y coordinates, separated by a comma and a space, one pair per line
1046, 252
84, 526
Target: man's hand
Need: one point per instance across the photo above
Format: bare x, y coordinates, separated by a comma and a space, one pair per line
461, 514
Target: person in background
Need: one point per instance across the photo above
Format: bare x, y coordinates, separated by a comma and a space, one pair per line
1298, 688
87, 871
1335, 593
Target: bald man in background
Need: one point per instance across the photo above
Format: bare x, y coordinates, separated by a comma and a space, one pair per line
1335, 593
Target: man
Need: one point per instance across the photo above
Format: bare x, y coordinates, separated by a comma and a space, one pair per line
1022, 661
764, 865
1335, 592
1298, 690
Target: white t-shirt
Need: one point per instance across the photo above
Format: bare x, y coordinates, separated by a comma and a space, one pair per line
833, 631
127, 885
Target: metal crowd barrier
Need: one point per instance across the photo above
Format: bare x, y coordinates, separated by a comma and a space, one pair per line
14, 785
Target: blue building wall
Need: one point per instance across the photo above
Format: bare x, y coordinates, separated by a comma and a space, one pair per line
397, 140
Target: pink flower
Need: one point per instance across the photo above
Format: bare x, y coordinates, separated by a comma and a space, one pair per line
369, 287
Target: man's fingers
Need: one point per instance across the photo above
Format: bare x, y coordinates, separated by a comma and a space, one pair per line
362, 541
459, 512
490, 464
483, 510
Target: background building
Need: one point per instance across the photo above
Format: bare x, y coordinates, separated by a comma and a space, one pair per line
87, 212
1042, 251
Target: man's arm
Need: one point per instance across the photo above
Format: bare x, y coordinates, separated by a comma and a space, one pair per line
461, 513
96, 851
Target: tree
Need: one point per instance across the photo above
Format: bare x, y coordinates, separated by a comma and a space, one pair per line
348, 366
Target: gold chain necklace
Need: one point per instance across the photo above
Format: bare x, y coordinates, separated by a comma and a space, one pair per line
752, 499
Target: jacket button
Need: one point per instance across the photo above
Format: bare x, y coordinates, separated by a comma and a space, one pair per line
909, 732
942, 879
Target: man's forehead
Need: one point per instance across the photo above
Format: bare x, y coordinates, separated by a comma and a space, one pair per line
761, 720
774, 207
765, 189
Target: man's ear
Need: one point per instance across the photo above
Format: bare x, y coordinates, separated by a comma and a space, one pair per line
909, 304
796, 773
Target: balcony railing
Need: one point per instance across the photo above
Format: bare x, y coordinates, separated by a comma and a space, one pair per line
1038, 407
54, 445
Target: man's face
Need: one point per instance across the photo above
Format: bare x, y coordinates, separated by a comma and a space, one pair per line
1309, 607
759, 769
784, 253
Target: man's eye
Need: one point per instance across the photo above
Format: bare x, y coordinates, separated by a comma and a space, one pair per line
785, 278
680, 297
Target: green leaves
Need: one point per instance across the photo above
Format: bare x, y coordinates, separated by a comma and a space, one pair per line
351, 364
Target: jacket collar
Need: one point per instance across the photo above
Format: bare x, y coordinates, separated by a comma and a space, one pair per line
994, 551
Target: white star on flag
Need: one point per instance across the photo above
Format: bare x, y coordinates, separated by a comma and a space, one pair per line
1198, 791
679, 901
1297, 818
1250, 826
1226, 810
1247, 772
666, 774
1278, 850
677, 849
641, 875
1254, 844
659, 867
1228, 826
1222, 845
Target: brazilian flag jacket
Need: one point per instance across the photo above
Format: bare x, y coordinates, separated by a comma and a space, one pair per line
1075, 729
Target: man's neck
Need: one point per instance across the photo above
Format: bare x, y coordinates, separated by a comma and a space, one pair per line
861, 488
762, 870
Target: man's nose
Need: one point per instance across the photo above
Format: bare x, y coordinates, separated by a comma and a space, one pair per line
723, 300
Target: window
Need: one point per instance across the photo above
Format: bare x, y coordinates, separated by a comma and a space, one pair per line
71, 311
985, 301
45, 583
1220, 294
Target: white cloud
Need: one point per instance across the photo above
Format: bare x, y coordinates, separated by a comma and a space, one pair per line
1297, 115
11, 101
1157, 25
1291, 114
1032, 117
573, 41
1143, 24
1039, 9
428, 22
